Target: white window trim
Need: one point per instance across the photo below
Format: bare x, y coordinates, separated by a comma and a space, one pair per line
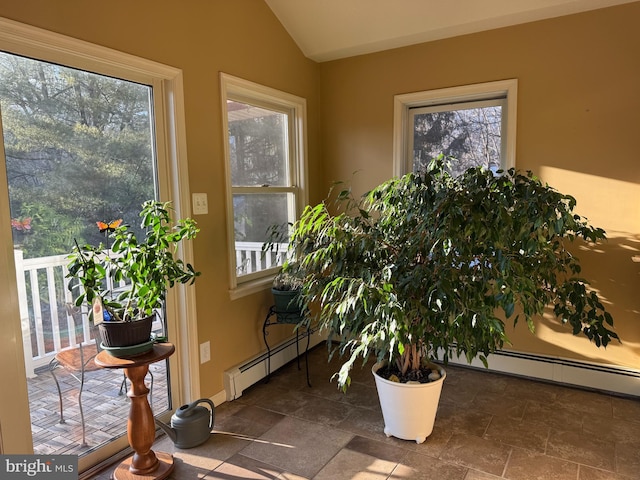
21, 39
238, 87
402, 161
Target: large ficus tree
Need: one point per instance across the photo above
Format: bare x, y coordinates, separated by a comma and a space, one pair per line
431, 265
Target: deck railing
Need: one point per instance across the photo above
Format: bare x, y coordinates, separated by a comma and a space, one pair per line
50, 321
43, 299
251, 259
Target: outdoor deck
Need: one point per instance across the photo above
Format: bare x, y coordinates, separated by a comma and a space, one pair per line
50, 322
105, 409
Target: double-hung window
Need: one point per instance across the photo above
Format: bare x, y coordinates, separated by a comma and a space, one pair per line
473, 124
265, 170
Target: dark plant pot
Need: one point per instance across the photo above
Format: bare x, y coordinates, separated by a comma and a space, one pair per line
286, 300
125, 334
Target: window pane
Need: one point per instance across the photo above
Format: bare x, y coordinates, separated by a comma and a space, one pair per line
257, 145
265, 175
79, 149
254, 214
472, 136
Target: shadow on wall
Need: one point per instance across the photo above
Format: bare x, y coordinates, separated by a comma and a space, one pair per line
615, 275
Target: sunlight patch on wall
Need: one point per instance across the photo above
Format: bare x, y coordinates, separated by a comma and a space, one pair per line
608, 203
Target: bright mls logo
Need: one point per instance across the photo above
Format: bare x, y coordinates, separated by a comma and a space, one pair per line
45, 467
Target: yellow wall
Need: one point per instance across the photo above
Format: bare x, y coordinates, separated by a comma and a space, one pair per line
578, 117
578, 129
202, 37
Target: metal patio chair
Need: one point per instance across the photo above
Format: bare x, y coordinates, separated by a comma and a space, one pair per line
78, 360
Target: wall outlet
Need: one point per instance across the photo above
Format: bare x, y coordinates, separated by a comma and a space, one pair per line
200, 203
205, 352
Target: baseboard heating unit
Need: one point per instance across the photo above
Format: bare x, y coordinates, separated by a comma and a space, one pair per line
605, 378
594, 376
242, 376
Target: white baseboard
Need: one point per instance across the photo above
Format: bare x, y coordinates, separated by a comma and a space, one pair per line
601, 377
219, 398
242, 376
595, 376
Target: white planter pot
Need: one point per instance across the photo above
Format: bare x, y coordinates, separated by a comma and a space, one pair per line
409, 410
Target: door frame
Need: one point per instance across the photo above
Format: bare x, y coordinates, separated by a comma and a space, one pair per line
168, 103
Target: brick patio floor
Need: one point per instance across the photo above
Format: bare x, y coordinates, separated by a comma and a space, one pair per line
105, 409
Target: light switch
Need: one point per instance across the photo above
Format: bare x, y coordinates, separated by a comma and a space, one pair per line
205, 352
200, 205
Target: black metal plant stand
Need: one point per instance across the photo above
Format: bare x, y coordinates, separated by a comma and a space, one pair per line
290, 318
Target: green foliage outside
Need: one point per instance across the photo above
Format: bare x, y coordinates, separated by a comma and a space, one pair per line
78, 150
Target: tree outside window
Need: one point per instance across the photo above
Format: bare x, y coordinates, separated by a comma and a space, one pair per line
473, 125
470, 135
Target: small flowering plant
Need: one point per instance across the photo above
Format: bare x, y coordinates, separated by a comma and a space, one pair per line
20, 228
287, 280
21, 224
147, 266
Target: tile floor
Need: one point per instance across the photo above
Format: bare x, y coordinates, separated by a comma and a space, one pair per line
489, 426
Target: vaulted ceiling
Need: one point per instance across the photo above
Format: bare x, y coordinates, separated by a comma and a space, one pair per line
331, 29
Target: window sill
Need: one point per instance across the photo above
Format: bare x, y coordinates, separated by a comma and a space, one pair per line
250, 288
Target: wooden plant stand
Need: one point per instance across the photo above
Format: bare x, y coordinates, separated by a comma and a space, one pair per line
144, 464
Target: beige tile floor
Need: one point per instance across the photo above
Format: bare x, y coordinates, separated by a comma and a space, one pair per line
489, 426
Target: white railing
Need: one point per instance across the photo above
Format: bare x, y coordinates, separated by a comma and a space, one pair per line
250, 259
41, 332
50, 321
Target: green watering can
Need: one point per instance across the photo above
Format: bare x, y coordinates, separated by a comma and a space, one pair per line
191, 424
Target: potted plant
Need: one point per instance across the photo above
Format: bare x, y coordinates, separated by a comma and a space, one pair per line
147, 267
428, 266
287, 283
286, 288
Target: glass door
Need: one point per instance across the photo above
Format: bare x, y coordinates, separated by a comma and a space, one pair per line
79, 155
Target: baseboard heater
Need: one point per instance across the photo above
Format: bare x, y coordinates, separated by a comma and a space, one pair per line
242, 376
593, 376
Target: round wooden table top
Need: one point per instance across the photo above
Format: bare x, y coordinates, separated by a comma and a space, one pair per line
159, 352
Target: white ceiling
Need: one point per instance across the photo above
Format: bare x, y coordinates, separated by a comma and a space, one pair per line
331, 29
